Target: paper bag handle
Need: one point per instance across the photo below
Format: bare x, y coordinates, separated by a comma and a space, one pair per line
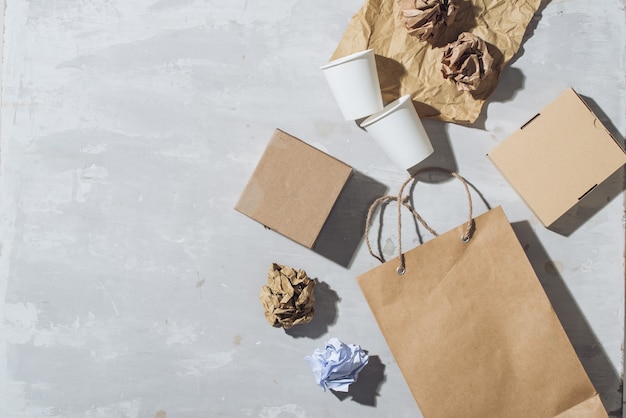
467, 235
402, 201
386, 199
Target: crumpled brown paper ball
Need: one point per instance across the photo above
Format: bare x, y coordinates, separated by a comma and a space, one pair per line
288, 297
426, 19
466, 62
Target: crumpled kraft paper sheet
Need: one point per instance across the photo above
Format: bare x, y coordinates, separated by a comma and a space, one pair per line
407, 65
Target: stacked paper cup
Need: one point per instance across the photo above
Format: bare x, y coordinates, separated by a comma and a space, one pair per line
396, 127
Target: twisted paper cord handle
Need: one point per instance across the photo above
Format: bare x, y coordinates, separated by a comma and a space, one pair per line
368, 221
403, 201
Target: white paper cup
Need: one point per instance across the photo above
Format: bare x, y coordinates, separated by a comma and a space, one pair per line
399, 131
354, 83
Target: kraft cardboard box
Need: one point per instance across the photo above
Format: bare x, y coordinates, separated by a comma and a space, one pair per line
558, 157
293, 188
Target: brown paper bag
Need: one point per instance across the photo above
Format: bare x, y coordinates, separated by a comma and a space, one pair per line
472, 330
407, 65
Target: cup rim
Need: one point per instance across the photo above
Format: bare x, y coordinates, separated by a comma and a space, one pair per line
386, 111
345, 59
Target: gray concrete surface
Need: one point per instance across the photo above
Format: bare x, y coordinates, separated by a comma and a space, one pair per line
129, 285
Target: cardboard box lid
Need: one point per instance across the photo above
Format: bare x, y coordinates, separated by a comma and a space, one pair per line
293, 188
558, 157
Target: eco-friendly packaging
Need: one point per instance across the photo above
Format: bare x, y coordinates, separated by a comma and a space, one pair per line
470, 325
354, 83
293, 188
398, 130
407, 65
558, 157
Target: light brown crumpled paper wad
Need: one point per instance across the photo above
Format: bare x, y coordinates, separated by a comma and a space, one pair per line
407, 65
288, 298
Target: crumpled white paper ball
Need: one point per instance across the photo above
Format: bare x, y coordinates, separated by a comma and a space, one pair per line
337, 365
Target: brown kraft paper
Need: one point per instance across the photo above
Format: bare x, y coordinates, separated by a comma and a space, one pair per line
473, 331
407, 65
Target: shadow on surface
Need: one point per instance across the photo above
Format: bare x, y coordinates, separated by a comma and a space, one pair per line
390, 74
442, 156
326, 300
530, 30
344, 229
433, 174
589, 350
511, 79
366, 388
590, 205
430, 174
608, 124
382, 208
